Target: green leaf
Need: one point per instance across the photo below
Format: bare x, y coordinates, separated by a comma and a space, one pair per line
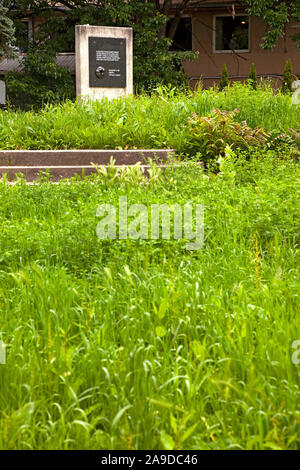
188, 433
162, 308
119, 415
167, 441
161, 331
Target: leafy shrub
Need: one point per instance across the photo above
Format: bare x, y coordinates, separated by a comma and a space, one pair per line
278, 140
287, 83
253, 77
42, 82
210, 135
224, 78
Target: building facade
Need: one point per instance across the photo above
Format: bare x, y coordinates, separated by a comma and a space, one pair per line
220, 31
223, 33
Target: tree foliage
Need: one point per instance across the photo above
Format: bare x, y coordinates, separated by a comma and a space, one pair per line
6, 32
152, 61
277, 14
43, 81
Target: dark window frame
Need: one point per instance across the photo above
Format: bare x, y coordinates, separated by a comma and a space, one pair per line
230, 51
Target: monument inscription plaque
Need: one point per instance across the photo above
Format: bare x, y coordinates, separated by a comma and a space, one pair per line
104, 62
107, 62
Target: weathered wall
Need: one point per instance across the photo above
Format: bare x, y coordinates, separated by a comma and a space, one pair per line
267, 62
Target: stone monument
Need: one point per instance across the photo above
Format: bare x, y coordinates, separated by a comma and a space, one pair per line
2, 92
104, 66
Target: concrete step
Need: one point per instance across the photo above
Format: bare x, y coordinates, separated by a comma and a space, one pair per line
67, 163
80, 157
32, 173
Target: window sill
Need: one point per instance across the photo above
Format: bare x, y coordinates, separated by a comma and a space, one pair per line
239, 51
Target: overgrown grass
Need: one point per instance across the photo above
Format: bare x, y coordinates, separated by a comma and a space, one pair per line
142, 121
88, 366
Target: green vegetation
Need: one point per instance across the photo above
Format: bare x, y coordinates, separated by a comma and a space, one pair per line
253, 77
152, 62
157, 121
288, 78
6, 33
224, 83
43, 81
154, 32
277, 14
142, 344
209, 136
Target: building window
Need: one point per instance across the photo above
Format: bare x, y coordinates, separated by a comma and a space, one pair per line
232, 34
23, 34
183, 38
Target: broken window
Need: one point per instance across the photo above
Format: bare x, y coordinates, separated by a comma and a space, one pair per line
232, 34
183, 39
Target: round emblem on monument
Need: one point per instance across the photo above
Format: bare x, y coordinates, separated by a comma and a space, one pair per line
100, 72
